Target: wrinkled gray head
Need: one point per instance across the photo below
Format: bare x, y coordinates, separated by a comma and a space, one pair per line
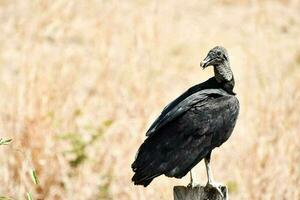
216, 56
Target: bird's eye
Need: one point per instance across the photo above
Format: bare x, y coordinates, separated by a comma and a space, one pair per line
219, 53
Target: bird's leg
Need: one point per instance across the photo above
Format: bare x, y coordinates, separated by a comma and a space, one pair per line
191, 180
211, 183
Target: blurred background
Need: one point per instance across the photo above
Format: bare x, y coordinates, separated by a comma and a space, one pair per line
81, 81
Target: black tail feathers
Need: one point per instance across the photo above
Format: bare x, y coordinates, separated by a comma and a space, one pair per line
140, 178
144, 182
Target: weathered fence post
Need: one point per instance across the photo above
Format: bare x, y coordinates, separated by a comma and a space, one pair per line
199, 193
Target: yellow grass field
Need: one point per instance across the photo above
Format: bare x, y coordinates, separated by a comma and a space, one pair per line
81, 81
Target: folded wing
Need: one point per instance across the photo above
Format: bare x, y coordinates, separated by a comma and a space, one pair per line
177, 108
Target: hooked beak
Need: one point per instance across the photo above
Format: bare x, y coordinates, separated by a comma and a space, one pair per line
206, 62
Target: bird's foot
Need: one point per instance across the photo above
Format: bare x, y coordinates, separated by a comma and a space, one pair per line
215, 186
192, 185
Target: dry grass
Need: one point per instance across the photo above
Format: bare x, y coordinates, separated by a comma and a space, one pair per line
81, 81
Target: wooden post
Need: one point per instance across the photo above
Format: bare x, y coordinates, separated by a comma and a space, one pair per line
199, 193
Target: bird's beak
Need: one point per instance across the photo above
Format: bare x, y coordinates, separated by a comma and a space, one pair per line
206, 62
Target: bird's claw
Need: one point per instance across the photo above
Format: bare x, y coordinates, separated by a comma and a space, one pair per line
192, 185
216, 187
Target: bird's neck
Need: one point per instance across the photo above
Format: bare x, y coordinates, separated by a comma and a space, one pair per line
223, 72
224, 76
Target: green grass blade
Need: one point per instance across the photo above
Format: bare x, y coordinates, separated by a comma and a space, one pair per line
34, 176
29, 196
5, 142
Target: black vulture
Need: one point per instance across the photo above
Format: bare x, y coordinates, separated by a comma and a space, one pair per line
191, 126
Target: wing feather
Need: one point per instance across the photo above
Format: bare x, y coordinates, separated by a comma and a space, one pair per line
169, 114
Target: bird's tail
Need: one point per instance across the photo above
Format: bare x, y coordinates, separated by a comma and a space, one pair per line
143, 175
139, 179
146, 165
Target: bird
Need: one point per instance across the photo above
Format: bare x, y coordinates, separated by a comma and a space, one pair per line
191, 126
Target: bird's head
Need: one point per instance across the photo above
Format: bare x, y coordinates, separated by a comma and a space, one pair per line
216, 56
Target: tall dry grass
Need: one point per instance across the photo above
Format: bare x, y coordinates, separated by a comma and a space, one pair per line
81, 82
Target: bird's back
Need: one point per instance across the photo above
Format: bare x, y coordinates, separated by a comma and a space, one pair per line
209, 84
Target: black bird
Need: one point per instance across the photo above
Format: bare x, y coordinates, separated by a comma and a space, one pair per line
191, 126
